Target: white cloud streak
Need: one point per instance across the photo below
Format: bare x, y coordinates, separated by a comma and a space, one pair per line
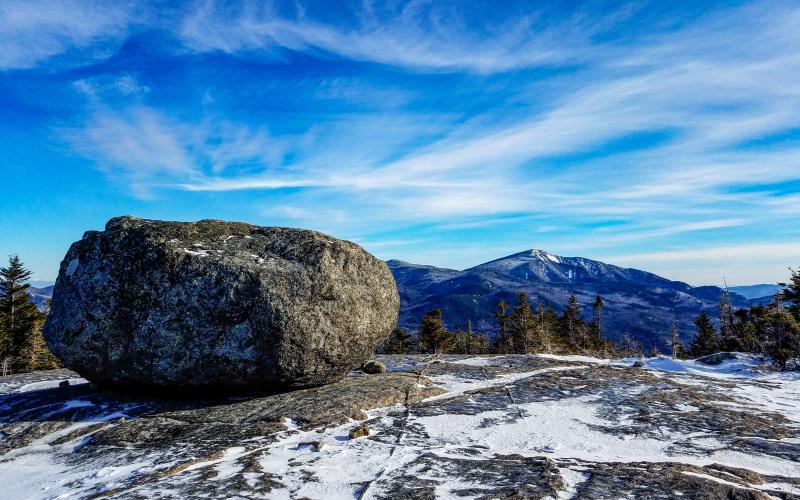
145, 149
734, 264
420, 34
696, 98
34, 31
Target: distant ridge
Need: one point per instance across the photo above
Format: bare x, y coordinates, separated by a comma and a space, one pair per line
637, 302
756, 291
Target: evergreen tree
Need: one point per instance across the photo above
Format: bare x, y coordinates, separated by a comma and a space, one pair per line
522, 325
791, 293
773, 330
746, 325
758, 318
597, 323
572, 327
546, 326
706, 341
597, 341
18, 316
503, 342
469, 342
399, 342
433, 336
42, 358
784, 338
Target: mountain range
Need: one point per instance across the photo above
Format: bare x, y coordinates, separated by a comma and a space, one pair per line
636, 302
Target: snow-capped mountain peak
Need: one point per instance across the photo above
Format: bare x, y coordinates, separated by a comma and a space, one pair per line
636, 302
545, 256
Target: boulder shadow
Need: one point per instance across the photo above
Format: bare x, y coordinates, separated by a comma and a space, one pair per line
88, 402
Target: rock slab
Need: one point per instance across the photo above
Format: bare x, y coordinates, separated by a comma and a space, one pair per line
214, 303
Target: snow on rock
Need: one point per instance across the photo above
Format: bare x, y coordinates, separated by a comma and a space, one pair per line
444, 427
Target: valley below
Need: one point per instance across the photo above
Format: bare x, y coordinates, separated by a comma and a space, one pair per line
430, 427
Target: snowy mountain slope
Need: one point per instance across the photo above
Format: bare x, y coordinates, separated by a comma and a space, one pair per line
636, 302
497, 427
541, 266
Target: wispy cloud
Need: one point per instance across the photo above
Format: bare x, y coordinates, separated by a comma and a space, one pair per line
734, 264
417, 34
145, 149
787, 251
669, 85
456, 117
33, 31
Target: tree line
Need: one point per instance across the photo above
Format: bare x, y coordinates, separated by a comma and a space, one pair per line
522, 329
771, 330
22, 346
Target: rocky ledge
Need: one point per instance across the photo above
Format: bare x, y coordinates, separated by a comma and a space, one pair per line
490, 427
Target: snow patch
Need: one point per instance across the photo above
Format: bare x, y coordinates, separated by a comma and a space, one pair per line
199, 253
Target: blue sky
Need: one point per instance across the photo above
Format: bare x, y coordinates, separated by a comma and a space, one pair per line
657, 135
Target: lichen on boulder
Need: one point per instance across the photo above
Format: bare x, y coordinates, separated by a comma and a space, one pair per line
214, 303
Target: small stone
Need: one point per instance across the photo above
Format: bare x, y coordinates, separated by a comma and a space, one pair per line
372, 367
359, 432
716, 358
64, 385
637, 364
315, 445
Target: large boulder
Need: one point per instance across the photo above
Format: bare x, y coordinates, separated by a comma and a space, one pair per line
213, 303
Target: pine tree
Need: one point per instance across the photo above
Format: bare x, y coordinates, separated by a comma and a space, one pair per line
597, 308
706, 340
572, 327
546, 326
433, 336
399, 342
522, 325
758, 316
784, 338
746, 324
19, 316
503, 342
597, 341
5, 345
791, 293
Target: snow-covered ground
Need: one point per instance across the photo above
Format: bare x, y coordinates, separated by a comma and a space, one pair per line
545, 426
